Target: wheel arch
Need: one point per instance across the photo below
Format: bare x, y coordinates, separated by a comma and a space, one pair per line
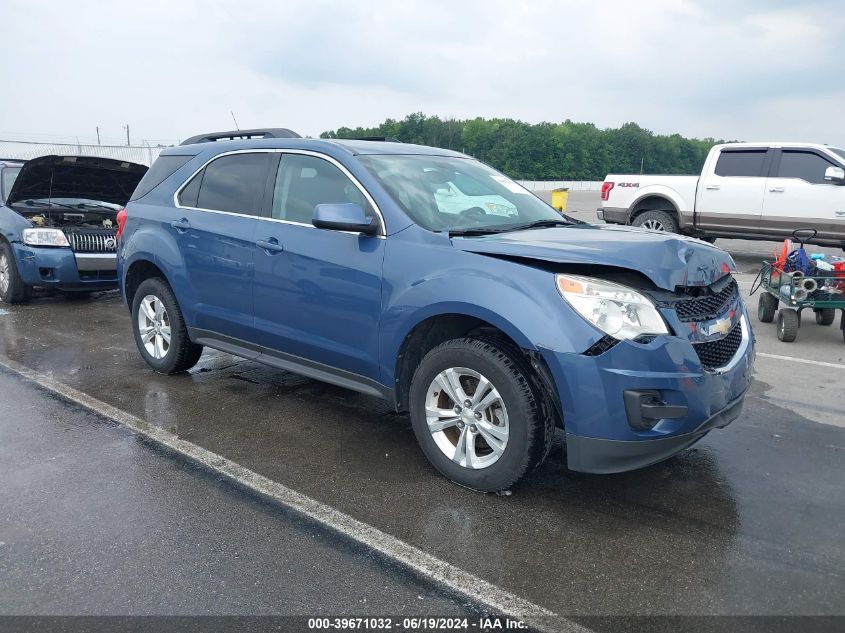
136, 273
654, 202
435, 329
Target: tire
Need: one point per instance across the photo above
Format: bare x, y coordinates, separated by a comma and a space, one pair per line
825, 316
12, 287
513, 418
155, 306
656, 221
788, 324
766, 308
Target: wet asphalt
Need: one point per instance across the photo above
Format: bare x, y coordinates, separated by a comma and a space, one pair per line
748, 522
95, 521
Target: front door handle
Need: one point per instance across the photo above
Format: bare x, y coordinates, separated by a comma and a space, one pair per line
712, 187
270, 246
776, 189
181, 225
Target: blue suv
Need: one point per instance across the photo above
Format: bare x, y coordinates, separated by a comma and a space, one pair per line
492, 324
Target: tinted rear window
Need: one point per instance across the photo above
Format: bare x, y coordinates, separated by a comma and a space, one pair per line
234, 183
749, 163
162, 168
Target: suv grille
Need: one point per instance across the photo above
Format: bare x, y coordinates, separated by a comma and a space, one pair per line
709, 307
715, 354
92, 240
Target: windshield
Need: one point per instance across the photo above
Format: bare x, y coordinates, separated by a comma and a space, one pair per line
10, 174
448, 194
838, 152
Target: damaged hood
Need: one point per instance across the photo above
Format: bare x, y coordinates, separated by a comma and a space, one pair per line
667, 259
84, 177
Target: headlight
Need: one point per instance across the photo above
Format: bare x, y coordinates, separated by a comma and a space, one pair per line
616, 310
44, 237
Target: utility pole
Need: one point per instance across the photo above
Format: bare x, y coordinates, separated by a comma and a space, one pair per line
642, 160
127, 134
98, 135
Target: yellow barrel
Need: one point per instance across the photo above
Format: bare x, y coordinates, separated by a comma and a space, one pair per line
560, 198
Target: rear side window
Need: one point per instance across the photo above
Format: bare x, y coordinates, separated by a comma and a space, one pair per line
232, 183
747, 163
804, 165
162, 168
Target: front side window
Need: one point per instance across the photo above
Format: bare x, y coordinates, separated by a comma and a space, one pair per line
741, 164
804, 165
443, 193
231, 183
303, 182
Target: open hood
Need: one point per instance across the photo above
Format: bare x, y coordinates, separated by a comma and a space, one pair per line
667, 259
88, 177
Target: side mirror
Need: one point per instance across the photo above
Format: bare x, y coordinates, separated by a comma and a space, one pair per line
836, 175
344, 217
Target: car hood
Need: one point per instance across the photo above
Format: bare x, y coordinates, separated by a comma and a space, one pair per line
667, 259
102, 179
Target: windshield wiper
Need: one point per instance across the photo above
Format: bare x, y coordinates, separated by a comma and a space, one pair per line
507, 228
95, 205
46, 205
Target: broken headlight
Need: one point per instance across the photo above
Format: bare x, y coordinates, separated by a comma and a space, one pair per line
617, 310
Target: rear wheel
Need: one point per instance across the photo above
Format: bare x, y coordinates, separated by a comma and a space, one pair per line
160, 331
656, 221
788, 325
825, 316
477, 416
12, 287
766, 308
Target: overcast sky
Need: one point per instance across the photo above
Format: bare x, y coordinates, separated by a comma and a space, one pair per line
765, 70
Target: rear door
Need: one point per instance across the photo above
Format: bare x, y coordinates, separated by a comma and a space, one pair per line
798, 196
318, 291
214, 225
730, 195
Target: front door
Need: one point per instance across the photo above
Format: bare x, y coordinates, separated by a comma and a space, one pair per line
798, 196
318, 292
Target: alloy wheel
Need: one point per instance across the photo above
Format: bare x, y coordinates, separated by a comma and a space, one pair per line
154, 326
654, 225
467, 418
5, 278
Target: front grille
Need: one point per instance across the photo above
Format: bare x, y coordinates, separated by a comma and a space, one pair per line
92, 240
715, 354
709, 306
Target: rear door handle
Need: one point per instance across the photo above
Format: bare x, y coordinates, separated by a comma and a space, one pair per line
270, 246
776, 189
712, 187
181, 225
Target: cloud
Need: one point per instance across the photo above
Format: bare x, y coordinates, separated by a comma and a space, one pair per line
171, 69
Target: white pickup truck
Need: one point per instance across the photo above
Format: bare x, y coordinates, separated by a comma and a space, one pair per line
760, 191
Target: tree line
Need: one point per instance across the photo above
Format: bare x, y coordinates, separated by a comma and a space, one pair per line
547, 151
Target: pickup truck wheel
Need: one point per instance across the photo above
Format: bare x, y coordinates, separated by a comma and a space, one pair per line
788, 324
825, 316
766, 308
12, 287
477, 416
160, 330
656, 221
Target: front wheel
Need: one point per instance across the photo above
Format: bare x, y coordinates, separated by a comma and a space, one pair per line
476, 415
788, 324
12, 286
656, 221
160, 331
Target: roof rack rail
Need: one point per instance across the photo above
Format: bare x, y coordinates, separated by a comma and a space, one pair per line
232, 135
388, 139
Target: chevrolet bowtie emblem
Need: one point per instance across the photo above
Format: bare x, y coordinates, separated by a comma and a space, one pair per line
722, 326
